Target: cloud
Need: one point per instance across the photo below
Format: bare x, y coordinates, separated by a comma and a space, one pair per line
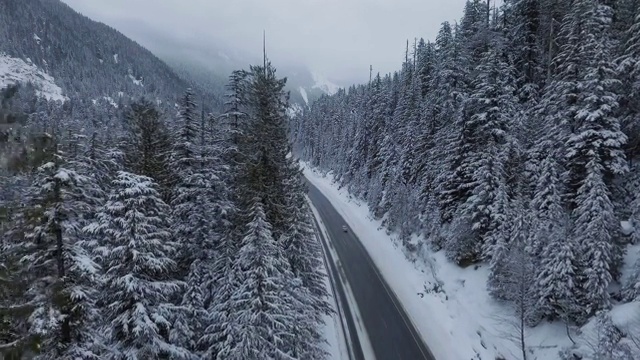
338, 38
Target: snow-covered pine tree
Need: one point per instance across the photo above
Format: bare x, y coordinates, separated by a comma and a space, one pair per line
606, 342
190, 318
449, 92
268, 146
53, 263
217, 258
551, 243
628, 71
136, 256
474, 30
262, 315
220, 309
186, 148
192, 224
201, 202
518, 274
595, 152
302, 249
592, 231
300, 243
237, 142
596, 127
482, 157
147, 146
425, 66
497, 242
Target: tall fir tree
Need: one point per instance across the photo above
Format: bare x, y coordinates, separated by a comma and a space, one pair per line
263, 310
139, 282
51, 253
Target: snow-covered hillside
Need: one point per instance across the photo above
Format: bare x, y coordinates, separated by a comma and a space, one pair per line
451, 306
325, 85
14, 70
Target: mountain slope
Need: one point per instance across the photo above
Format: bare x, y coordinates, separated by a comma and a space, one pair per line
14, 70
86, 58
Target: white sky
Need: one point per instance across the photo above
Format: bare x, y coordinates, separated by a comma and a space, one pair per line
337, 38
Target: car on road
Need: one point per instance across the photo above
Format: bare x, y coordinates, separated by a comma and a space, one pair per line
344, 228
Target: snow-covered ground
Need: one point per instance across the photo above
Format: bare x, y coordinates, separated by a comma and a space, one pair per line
135, 81
15, 70
449, 305
108, 99
335, 346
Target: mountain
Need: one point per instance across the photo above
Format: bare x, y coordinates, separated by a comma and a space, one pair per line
209, 64
84, 58
211, 68
15, 70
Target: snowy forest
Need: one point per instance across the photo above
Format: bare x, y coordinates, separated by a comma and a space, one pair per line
131, 232
512, 139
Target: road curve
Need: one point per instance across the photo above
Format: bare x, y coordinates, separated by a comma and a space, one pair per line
391, 333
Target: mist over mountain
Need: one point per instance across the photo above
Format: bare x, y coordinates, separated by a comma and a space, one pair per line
208, 62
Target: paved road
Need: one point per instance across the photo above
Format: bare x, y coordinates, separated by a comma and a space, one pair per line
391, 334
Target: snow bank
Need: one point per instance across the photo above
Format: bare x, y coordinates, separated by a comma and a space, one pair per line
333, 333
450, 306
15, 70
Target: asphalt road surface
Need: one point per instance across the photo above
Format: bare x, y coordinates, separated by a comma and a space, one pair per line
391, 333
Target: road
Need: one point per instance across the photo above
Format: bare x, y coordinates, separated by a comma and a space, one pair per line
391, 333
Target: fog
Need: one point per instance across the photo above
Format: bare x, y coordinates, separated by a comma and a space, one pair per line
336, 38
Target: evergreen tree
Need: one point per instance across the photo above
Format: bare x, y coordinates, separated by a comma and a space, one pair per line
138, 283
147, 146
190, 201
556, 278
263, 309
629, 73
186, 148
596, 128
593, 221
53, 262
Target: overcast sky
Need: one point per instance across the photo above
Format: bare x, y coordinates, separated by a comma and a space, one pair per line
337, 38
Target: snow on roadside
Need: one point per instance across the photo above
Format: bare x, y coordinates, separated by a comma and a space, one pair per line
15, 70
335, 345
336, 340
333, 332
450, 306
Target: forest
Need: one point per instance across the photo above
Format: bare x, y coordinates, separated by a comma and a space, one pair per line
512, 139
133, 232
